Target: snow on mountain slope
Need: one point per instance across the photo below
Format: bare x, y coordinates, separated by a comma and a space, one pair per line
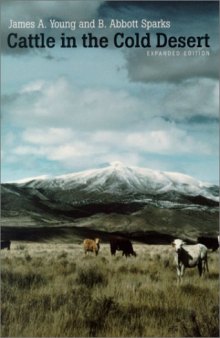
27, 180
119, 179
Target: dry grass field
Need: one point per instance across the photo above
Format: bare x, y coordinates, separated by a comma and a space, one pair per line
54, 290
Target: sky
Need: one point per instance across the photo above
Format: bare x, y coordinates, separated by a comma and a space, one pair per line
70, 109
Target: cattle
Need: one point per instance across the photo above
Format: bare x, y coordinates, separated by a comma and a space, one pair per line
190, 256
209, 242
121, 244
5, 245
91, 245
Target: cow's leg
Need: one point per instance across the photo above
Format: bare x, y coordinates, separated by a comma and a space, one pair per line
200, 267
178, 274
180, 271
205, 265
113, 250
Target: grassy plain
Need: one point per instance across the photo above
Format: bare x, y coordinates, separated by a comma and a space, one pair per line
54, 290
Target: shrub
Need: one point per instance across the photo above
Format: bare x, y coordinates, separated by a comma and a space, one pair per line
76, 296
21, 247
90, 276
62, 255
25, 280
98, 313
28, 257
207, 326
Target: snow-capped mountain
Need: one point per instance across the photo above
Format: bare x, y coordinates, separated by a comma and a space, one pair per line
148, 204
120, 180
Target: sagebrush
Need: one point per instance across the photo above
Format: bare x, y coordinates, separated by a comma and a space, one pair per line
51, 291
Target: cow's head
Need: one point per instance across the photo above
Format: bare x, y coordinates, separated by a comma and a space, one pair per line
177, 244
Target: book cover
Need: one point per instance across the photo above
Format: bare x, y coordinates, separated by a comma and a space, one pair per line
110, 168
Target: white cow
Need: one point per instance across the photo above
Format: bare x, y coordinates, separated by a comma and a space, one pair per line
190, 256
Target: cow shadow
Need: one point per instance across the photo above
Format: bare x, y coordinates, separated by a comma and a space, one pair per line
212, 276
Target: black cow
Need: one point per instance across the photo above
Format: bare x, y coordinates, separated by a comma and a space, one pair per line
209, 242
121, 244
5, 245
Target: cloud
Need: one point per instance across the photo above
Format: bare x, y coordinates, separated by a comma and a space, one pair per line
193, 99
33, 11
65, 146
57, 121
185, 17
167, 141
157, 144
59, 104
158, 110
173, 69
49, 136
34, 86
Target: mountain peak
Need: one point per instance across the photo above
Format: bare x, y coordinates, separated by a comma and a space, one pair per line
117, 164
121, 180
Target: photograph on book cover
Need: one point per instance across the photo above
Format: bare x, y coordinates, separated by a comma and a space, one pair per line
110, 172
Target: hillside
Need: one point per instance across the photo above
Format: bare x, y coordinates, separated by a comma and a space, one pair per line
117, 198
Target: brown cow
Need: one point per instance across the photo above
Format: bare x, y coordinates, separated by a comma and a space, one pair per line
91, 245
121, 244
